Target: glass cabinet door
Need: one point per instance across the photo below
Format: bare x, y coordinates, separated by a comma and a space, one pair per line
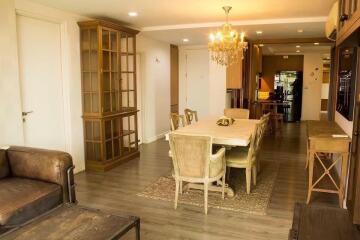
128, 71
90, 74
110, 71
92, 140
112, 138
129, 135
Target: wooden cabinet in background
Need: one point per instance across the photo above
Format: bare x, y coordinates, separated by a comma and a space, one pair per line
234, 75
108, 69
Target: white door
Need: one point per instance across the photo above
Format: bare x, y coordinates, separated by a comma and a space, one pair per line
197, 81
139, 97
39, 49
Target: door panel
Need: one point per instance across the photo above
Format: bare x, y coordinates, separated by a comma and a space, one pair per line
39, 47
197, 81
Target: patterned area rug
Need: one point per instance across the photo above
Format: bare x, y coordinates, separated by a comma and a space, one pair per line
254, 203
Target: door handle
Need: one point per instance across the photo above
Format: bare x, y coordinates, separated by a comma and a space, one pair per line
26, 113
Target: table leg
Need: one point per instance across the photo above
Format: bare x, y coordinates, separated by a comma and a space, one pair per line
344, 163
137, 229
311, 171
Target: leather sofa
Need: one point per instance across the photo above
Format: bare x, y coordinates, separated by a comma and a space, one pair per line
33, 181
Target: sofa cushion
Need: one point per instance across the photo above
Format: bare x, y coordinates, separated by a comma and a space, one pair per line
4, 164
22, 199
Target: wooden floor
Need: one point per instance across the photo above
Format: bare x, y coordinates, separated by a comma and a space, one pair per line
116, 190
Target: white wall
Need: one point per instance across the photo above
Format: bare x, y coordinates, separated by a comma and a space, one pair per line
11, 132
345, 124
216, 83
217, 88
155, 79
11, 129
312, 84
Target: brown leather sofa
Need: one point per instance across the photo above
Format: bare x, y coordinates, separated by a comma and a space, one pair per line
33, 181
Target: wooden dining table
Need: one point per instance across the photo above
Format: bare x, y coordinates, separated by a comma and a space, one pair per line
237, 134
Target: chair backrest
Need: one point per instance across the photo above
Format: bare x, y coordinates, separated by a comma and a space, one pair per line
190, 116
237, 113
190, 155
255, 143
177, 121
264, 122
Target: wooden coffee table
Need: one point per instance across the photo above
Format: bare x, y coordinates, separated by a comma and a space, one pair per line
70, 221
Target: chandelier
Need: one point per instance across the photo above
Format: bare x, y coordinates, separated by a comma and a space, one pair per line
226, 46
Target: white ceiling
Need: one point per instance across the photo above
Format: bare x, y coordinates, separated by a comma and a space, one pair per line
198, 36
172, 20
290, 49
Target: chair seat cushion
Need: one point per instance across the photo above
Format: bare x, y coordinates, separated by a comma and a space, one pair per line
237, 155
22, 199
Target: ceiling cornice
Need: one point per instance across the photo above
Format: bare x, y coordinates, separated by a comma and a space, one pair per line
236, 23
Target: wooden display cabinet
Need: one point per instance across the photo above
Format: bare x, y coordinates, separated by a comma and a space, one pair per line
108, 63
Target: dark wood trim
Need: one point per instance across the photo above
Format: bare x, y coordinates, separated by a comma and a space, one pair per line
292, 41
349, 27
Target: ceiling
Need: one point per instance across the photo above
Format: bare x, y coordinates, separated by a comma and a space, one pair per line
173, 20
290, 49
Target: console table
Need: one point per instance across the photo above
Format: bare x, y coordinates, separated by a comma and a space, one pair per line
70, 221
327, 145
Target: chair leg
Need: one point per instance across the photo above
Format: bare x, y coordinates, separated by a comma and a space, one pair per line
248, 180
206, 189
181, 187
223, 187
254, 174
176, 192
258, 165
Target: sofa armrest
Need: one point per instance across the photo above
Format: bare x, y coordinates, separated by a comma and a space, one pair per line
45, 165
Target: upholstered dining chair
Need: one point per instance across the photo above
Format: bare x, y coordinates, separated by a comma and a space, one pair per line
237, 113
264, 123
190, 116
240, 157
177, 121
194, 162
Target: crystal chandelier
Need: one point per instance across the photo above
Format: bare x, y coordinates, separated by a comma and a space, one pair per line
226, 46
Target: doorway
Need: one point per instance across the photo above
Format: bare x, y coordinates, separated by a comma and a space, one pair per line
40, 69
197, 81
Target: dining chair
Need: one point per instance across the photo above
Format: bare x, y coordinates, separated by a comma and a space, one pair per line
237, 113
190, 116
194, 162
264, 123
240, 157
176, 121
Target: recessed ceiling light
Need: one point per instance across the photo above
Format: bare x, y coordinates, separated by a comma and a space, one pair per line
298, 46
261, 45
297, 51
316, 43
185, 40
300, 30
132, 14
259, 32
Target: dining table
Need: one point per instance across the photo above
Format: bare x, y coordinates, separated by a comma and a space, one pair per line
237, 134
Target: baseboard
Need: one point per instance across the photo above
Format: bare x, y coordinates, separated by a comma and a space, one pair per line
155, 138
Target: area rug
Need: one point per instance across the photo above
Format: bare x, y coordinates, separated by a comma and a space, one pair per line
254, 203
